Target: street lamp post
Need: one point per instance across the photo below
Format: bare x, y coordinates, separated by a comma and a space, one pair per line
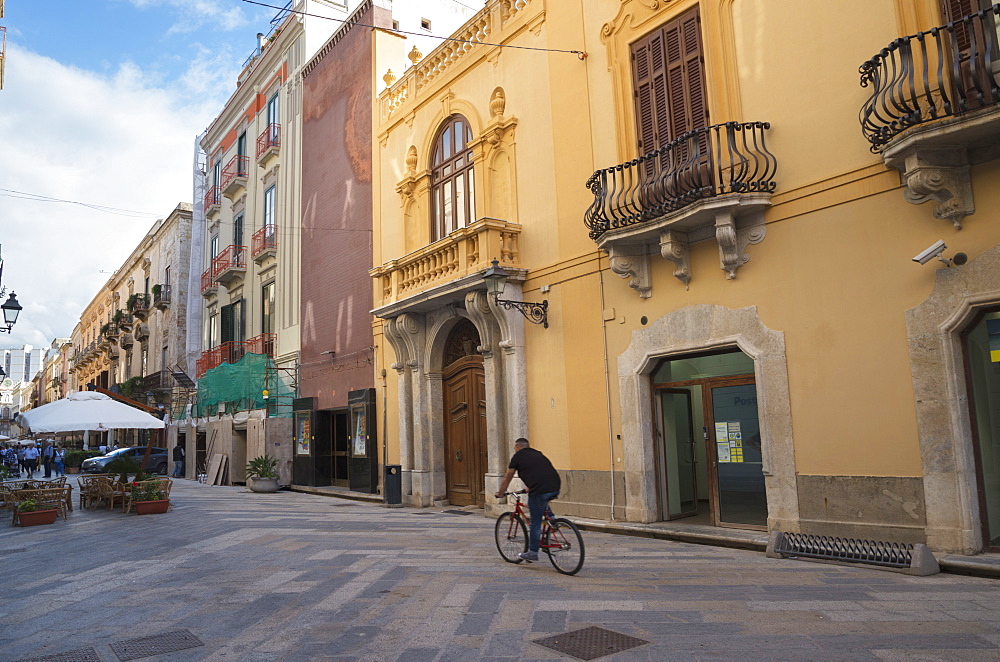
11, 308
496, 277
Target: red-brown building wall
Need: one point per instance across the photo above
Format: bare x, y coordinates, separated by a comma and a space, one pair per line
337, 219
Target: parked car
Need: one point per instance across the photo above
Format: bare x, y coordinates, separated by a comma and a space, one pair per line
157, 462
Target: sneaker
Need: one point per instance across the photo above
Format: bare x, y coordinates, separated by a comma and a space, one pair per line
528, 556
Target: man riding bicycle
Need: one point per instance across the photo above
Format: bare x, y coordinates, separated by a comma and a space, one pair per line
543, 483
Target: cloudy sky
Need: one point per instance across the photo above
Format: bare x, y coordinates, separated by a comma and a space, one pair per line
101, 104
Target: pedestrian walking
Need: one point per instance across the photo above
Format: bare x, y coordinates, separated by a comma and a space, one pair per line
10, 459
178, 461
103, 448
60, 461
48, 458
543, 483
30, 460
20, 460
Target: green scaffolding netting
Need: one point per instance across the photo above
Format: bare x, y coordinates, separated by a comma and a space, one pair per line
241, 387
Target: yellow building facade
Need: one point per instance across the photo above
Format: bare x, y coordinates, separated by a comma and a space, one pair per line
738, 331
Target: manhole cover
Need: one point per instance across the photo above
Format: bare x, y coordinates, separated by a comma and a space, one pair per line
168, 642
458, 512
590, 643
79, 655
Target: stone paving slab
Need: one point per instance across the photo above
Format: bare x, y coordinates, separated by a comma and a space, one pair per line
294, 576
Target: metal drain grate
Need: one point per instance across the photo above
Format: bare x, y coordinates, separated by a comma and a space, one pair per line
458, 512
168, 642
78, 655
590, 643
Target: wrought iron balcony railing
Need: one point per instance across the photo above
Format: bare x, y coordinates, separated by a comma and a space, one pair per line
213, 198
234, 350
235, 171
138, 305
704, 163
270, 139
942, 72
207, 282
161, 297
232, 258
264, 240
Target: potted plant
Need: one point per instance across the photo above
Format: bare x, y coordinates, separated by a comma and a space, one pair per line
123, 465
74, 458
31, 513
148, 497
157, 289
262, 474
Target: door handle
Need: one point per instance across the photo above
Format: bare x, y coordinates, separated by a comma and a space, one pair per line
458, 455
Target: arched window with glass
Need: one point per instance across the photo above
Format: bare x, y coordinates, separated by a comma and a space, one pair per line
453, 188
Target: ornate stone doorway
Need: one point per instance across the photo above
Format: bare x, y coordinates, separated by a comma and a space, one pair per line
465, 448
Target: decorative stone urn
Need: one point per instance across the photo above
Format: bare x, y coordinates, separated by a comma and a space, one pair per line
263, 484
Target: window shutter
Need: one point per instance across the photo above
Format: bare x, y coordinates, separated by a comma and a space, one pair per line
642, 82
669, 80
226, 323
956, 10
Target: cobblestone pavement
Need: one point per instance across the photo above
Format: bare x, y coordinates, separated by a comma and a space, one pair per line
301, 577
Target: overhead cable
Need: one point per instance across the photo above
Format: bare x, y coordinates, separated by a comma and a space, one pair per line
580, 54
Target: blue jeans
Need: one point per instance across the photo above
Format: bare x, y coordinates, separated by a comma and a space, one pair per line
537, 505
178, 469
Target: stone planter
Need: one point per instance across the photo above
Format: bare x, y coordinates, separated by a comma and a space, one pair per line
151, 507
72, 470
36, 517
263, 484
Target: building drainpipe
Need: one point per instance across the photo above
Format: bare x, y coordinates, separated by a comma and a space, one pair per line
607, 386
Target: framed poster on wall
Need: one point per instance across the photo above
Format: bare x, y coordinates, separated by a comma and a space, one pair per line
303, 432
359, 432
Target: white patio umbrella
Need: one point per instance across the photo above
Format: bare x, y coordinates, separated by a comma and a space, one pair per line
86, 410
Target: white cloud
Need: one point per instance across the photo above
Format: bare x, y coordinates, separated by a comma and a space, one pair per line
196, 13
118, 140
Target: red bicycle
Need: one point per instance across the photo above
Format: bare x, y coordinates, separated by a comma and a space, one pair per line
561, 540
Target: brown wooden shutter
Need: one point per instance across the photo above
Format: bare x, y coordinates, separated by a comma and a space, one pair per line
955, 10
669, 80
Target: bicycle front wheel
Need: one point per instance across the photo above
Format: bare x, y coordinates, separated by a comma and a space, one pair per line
512, 537
565, 547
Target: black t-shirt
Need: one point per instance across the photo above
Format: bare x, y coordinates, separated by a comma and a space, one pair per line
535, 471
178, 453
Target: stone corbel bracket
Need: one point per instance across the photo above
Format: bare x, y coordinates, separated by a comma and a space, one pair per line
674, 246
734, 238
941, 174
631, 262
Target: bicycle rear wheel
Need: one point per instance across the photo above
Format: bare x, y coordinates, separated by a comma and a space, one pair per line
565, 546
512, 537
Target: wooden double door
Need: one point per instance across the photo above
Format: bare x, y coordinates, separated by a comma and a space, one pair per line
465, 450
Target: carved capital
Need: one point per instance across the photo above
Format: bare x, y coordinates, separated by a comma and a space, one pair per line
674, 247
634, 266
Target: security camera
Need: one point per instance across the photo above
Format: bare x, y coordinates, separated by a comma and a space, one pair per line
934, 251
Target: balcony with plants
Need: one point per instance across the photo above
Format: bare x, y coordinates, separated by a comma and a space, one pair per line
709, 183
230, 264
234, 176
264, 243
161, 296
933, 109
138, 305
268, 144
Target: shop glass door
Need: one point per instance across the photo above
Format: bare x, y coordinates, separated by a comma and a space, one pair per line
739, 476
677, 453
